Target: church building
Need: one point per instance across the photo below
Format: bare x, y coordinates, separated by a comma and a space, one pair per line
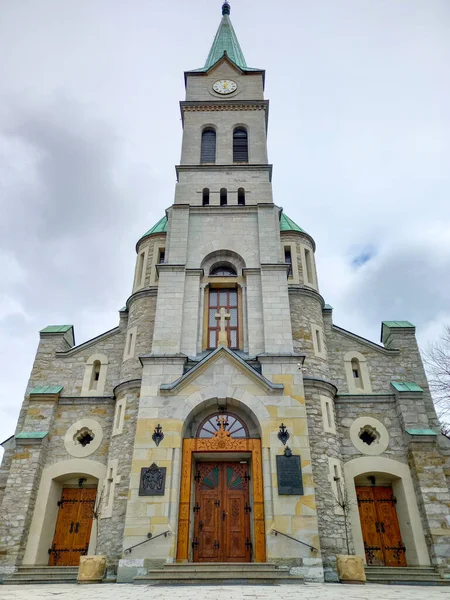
226, 418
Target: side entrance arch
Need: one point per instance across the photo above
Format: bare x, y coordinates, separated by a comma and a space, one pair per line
227, 526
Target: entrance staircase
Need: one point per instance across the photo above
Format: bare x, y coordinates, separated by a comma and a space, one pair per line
218, 574
35, 574
404, 576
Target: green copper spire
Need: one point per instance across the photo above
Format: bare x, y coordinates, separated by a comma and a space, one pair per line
226, 41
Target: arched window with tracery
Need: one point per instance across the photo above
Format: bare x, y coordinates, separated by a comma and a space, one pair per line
231, 423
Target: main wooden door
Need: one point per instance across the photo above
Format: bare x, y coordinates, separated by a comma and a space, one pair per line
73, 526
222, 513
379, 522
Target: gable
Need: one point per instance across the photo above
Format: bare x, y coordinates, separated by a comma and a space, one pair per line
222, 366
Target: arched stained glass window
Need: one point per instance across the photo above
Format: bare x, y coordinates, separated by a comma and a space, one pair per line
233, 424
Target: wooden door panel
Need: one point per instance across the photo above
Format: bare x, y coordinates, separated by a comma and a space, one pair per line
369, 526
61, 550
73, 526
207, 531
235, 534
394, 551
83, 526
221, 523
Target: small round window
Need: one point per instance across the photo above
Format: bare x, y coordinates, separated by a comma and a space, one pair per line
232, 424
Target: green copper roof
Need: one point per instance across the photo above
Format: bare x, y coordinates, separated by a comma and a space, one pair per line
159, 227
56, 329
398, 324
287, 224
225, 41
406, 386
31, 435
420, 432
46, 389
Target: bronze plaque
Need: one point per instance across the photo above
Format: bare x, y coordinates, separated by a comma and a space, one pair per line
289, 475
153, 481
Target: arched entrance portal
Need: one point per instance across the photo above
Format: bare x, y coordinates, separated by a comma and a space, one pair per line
222, 487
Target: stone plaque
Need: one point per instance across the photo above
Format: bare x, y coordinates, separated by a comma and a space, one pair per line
153, 481
289, 474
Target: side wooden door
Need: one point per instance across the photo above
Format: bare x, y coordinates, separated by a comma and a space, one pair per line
391, 537
73, 526
380, 528
369, 525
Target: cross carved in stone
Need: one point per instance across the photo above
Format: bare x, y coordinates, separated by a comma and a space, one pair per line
223, 337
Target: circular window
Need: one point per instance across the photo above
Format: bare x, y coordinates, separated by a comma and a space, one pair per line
231, 423
369, 436
83, 438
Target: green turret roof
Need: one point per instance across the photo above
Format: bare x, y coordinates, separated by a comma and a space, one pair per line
286, 224
226, 44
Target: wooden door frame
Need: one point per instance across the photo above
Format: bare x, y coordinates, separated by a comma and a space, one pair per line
222, 443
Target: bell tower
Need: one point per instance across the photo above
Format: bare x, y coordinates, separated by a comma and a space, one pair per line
224, 128
223, 214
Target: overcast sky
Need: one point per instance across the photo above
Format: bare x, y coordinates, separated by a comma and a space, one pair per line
90, 131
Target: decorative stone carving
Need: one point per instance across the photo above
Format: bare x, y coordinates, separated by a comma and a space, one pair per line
350, 568
91, 569
153, 481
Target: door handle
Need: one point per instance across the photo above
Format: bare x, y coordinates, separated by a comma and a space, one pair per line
224, 515
71, 527
382, 527
77, 527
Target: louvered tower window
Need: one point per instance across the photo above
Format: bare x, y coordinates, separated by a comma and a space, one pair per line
223, 197
208, 153
240, 145
205, 199
241, 197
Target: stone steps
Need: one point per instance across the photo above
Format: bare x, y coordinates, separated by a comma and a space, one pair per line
33, 574
404, 576
218, 573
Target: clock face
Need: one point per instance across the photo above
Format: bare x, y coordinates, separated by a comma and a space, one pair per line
225, 86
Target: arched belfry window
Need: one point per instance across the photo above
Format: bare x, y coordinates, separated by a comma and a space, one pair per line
240, 145
231, 423
208, 152
223, 197
241, 197
205, 197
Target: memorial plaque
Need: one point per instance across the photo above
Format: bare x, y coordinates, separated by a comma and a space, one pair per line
289, 474
153, 481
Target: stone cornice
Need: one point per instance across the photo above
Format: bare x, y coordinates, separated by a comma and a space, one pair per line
89, 400
223, 105
365, 398
319, 384
142, 293
230, 167
306, 291
131, 384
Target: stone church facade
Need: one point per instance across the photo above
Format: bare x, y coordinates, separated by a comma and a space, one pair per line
174, 422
